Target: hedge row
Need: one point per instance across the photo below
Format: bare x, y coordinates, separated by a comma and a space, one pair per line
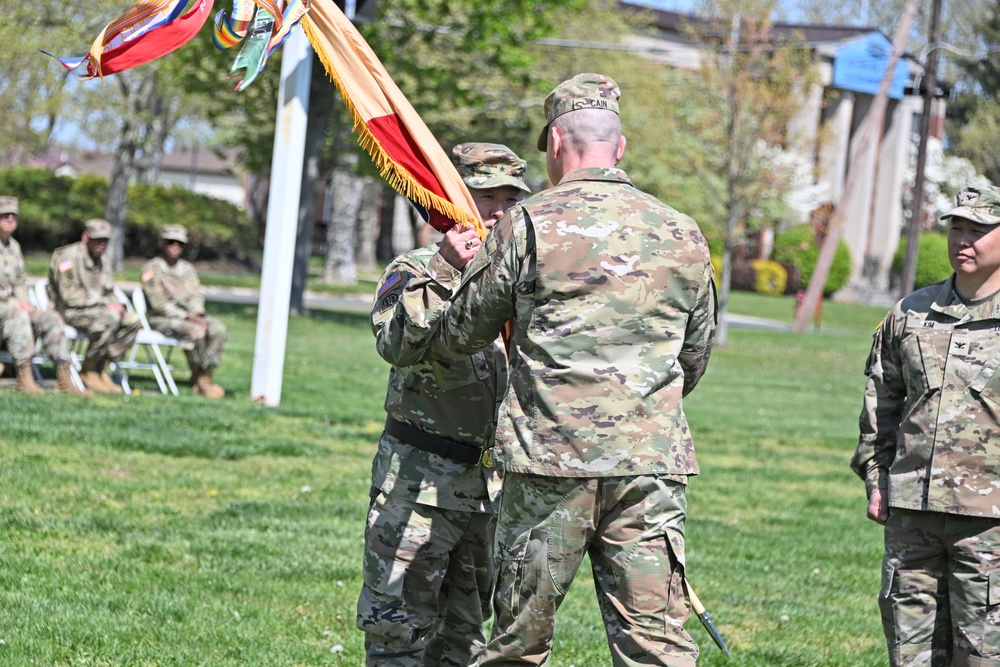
797, 246
933, 265
53, 209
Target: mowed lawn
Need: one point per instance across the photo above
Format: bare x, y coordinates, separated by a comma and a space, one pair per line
153, 530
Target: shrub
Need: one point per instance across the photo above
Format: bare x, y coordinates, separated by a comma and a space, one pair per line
54, 208
797, 246
933, 265
771, 277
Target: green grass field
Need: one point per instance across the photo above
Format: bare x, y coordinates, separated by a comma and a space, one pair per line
153, 530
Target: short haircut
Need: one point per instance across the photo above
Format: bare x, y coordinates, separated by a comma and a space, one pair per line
590, 126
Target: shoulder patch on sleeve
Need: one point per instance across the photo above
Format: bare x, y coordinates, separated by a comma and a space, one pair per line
65, 265
387, 297
388, 284
147, 276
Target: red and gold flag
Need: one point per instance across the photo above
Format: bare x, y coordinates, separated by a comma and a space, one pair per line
403, 149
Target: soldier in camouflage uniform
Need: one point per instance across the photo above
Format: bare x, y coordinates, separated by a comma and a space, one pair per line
81, 288
614, 316
929, 452
428, 564
20, 323
177, 309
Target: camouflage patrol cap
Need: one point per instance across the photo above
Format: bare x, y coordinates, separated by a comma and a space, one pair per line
980, 205
583, 91
484, 166
8, 205
174, 233
97, 228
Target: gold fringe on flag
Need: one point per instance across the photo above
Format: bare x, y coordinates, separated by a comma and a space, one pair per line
399, 178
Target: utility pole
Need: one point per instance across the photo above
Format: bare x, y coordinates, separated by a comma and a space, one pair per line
917, 210
873, 125
732, 214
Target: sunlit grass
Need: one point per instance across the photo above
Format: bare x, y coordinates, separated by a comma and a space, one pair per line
154, 530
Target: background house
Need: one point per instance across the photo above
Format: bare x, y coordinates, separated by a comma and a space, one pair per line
201, 171
851, 62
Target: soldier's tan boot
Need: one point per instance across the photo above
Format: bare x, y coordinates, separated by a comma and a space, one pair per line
65, 384
113, 388
206, 388
26, 379
92, 376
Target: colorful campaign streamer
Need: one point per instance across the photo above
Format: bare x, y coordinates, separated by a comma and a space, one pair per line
230, 31
149, 30
265, 36
403, 149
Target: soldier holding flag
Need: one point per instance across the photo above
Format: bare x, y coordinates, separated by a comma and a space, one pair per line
614, 316
428, 564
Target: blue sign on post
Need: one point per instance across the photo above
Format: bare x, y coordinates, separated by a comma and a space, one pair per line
860, 65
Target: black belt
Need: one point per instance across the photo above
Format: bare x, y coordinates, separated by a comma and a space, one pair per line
435, 444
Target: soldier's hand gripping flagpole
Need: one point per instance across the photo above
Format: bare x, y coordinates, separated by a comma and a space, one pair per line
706, 620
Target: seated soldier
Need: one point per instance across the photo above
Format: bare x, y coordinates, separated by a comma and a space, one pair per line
177, 308
18, 320
81, 288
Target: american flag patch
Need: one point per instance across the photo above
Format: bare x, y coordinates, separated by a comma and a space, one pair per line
388, 284
65, 265
146, 276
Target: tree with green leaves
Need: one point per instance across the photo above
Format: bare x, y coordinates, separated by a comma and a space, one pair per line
974, 117
744, 97
36, 92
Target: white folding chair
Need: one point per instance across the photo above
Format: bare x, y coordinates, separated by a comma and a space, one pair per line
39, 298
149, 341
77, 339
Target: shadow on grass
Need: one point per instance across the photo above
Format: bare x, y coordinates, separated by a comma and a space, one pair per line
346, 318
171, 427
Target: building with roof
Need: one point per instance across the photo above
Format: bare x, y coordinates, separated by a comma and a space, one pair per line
201, 171
851, 62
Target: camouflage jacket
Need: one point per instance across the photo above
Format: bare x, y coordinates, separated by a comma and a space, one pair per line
455, 396
13, 281
76, 280
172, 291
614, 316
929, 428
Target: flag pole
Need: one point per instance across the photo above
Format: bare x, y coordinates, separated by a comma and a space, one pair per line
282, 220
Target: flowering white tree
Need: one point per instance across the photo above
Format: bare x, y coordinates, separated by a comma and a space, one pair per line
944, 176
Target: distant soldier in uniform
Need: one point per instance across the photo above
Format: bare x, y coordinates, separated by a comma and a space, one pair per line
929, 452
614, 316
81, 288
20, 323
177, 309
428, 565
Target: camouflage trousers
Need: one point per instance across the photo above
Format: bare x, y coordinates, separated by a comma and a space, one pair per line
941, 590
428, 575
202, 343
111, 334
633, 530
19, 329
